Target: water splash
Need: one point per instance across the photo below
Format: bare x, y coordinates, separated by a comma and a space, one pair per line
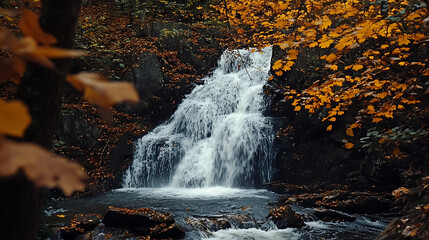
218, 136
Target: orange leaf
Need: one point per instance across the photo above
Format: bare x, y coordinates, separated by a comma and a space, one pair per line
357, 67
40, 166
329, 128
14, 118
376, 120
349, 145
349, 132
29, 25
297, 108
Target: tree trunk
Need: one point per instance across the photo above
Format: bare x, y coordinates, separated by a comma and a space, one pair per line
41, 89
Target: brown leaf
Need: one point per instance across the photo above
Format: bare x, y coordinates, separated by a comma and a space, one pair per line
30, 27
11, 68
42, 167
27, 49
102, 93
14, 118
81, 79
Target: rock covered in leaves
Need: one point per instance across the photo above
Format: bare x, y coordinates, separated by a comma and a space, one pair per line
286, 217
414, 222
80, 224
345, 201
144, 221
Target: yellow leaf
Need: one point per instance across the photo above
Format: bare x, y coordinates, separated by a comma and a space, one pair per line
297, 108
332, 119
413, 16
14, 118
61, 215
29, 26
382, 95
403, 40
334, 67
40, 166
329, 128
277, 65
357, 67
326, 22
331, 57
349, 145
313, 44
349, 132
326, 43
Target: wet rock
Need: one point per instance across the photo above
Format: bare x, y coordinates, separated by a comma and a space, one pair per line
87, 222
215, 223
78, 225
144, 222
328, 215
286, 217
209, 223
345, 201
163, 231
136, 218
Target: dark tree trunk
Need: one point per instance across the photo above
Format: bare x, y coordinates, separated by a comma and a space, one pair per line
41, 90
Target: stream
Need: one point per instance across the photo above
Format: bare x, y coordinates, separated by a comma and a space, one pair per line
219, 201
205, 161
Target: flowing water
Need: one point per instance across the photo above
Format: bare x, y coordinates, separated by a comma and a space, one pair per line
218, 136
205, 160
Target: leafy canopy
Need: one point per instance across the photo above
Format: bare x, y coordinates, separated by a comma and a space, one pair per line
370, 49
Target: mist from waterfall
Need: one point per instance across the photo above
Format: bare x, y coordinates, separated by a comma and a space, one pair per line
218, 136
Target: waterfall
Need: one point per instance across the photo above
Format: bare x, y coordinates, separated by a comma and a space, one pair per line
218, 136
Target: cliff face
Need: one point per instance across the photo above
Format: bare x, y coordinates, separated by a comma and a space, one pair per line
163, 59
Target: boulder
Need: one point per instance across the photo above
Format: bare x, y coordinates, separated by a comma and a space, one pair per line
144, 222
148, 78
328, 215
78, 225
286, 217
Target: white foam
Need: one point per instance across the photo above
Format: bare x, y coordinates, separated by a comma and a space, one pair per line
197, 193
254, 234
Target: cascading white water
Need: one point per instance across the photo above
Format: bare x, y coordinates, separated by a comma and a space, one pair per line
218, 136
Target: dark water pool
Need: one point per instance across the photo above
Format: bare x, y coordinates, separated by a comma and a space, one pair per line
219, 201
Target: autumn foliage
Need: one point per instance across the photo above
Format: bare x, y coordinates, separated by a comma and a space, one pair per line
40, 166
371, 52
